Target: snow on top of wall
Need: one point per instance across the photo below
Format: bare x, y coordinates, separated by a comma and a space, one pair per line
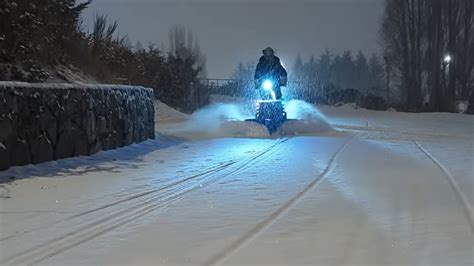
77, 85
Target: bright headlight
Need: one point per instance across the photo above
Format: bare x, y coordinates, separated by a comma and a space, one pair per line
267, 85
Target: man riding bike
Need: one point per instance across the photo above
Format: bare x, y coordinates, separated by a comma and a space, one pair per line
269, 68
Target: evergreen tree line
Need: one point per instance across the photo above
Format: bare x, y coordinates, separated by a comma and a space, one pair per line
429, 46
323, 79
36, 36
244, 84
329, 79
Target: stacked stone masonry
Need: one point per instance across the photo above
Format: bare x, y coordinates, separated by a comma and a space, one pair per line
44, 122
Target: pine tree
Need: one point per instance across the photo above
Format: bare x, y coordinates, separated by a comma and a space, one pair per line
376, 76
348, 71
362, 72
324, 69
297, 71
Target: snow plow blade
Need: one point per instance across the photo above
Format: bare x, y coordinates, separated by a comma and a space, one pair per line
274, 126
271, 114
245, 129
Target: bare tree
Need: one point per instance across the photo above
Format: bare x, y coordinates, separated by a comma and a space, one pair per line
183, 44
435, 53
467, 61
429, 42
403, 30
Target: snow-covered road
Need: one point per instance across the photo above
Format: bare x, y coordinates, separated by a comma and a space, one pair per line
383, 188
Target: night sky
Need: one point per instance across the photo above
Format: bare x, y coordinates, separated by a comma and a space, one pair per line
233, 31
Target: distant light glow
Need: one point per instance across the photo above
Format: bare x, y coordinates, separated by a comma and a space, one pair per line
447, 59
267, 85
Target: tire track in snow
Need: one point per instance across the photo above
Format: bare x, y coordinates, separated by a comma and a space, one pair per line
267, 222
125, 211
454, 185
369, 128
211, 170
109, 222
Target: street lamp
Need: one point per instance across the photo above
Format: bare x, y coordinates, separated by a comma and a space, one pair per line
446, 65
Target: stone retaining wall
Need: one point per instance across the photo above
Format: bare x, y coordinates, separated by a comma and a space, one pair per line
43, 122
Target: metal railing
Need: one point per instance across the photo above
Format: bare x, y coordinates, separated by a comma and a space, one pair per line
218, 83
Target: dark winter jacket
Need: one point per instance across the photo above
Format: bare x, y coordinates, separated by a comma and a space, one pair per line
270, 67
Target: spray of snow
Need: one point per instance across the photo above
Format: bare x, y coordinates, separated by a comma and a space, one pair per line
223, 111
221, 120
297, 109
211, 117
228, 120
305, 119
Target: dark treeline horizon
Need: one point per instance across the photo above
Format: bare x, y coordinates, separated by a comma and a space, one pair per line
426, 64
317, 78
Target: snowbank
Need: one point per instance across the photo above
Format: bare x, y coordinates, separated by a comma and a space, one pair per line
216, 121
165, 113
442, 124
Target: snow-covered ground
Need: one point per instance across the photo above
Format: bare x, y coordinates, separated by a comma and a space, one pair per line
164, 113
342, 187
